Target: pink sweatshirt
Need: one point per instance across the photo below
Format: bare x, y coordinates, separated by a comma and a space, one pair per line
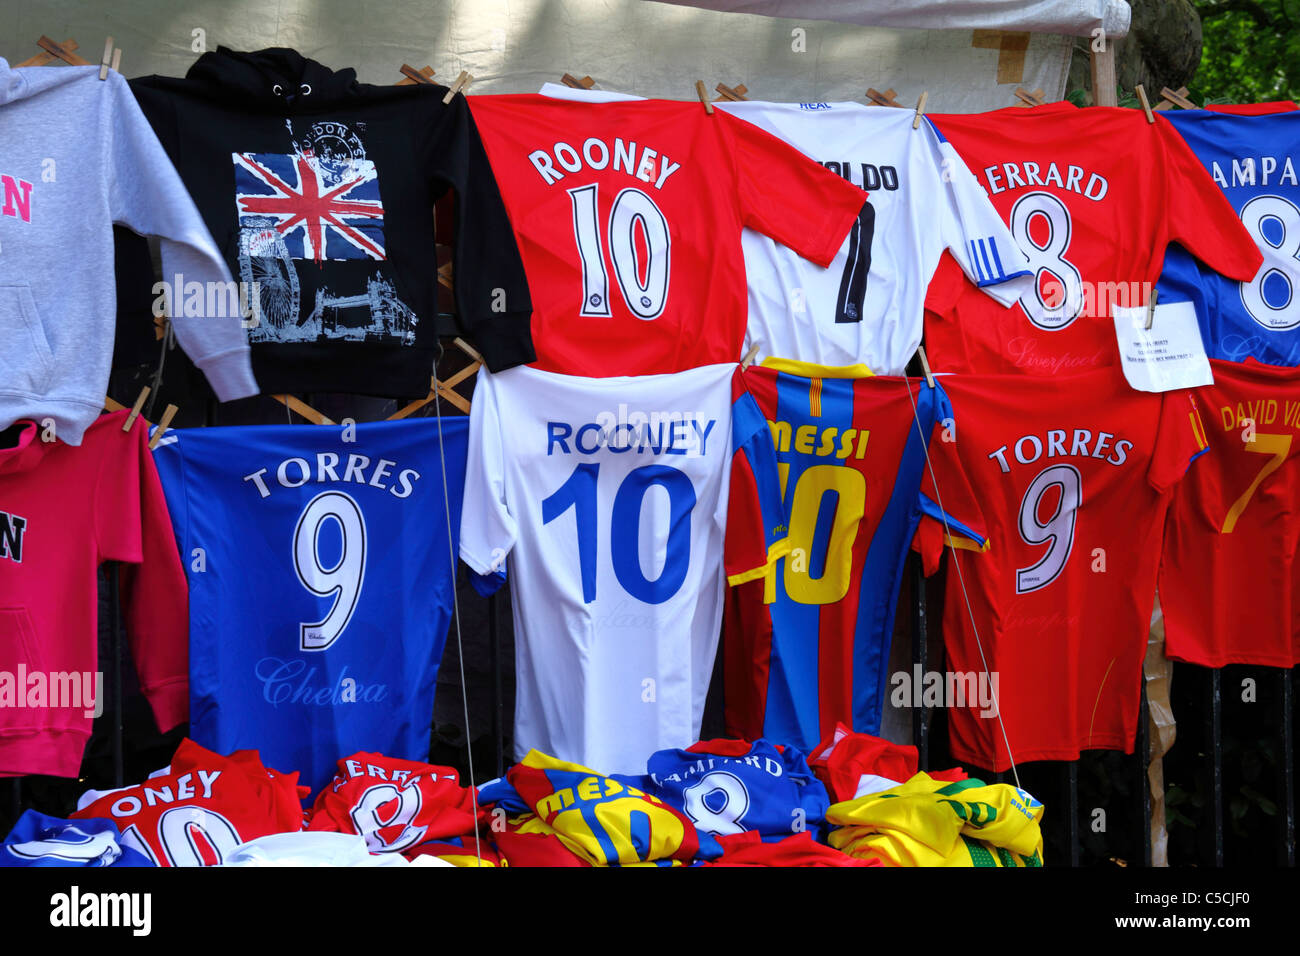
64, 510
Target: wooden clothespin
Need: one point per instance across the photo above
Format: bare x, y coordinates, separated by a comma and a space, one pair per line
920, 109
164, 424
1151, 309
111, 405
444, 276
704, 97
135, 409
462, 83
585, 83
107, 59
412, 75
303, 409
1170, 98
117, 60
734, 94
1142, 98
748, 359
925, 365
45, 57
467, 349
1036, 98
883, 99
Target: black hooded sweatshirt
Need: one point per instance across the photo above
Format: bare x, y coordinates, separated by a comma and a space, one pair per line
321, 190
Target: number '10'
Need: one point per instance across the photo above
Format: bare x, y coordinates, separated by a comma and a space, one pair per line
579, 493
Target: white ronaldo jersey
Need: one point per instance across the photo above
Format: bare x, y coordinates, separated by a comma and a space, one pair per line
868, 306
611, 497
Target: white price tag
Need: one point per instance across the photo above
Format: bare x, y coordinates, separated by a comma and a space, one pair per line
1170, 355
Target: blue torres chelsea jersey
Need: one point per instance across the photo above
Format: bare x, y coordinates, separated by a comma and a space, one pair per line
321, 584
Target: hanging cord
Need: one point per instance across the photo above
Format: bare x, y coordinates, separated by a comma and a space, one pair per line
961, 579
155, 383
455, 601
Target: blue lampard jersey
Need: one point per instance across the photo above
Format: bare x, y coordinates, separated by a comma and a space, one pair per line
1256, 162
321, 578
729, 786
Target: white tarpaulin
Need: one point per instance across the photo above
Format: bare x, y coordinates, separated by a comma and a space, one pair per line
638, 46
1070, 17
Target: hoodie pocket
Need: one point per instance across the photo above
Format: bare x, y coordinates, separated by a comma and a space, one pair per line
26, 362
18, 655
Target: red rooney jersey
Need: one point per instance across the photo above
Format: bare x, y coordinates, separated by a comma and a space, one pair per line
1074, 476
1092, 197
395, 804
628, 216
1230, 575
203, 807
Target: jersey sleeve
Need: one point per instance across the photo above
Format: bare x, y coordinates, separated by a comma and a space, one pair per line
1180, 439
787, 196
1198, 215
487, 529
755, 519
950, 512
132, 525
492, 299
972, 230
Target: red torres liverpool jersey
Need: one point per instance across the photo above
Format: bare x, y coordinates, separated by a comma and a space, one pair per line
1092, 197
629, 215
1230, 573
1074, 476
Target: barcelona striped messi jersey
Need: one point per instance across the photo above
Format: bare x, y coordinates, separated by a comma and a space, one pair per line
807, 645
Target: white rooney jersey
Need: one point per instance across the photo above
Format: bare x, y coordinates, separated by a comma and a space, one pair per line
611, 497
868, 306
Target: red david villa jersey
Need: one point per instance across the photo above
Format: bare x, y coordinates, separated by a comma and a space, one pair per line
1074, 476
1229, 576
1092, 197
629, 216
200, 807
807, 644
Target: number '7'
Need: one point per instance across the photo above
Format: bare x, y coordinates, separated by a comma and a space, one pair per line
1264, 444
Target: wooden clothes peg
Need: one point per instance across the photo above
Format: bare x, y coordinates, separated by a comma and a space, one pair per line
704, 97
1151, 309
1036, 98
106, 61
925, 365
135, 409
462, 83
1146, 106
920, 109
163, 425
748, 359
883, 99
45, 58
734, 94
585, 83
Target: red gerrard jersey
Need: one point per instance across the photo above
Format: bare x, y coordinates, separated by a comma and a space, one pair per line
202, 807
1074, 476
629, 216
1092, 197
395, 804
1230, 575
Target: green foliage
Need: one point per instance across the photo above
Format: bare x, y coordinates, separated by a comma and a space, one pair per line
1251, 51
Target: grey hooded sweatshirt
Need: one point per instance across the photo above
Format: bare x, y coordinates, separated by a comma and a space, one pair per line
77, 156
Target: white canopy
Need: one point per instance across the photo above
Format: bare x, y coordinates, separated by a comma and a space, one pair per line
1069, 17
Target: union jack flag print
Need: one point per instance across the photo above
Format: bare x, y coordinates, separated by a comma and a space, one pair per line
319, 214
